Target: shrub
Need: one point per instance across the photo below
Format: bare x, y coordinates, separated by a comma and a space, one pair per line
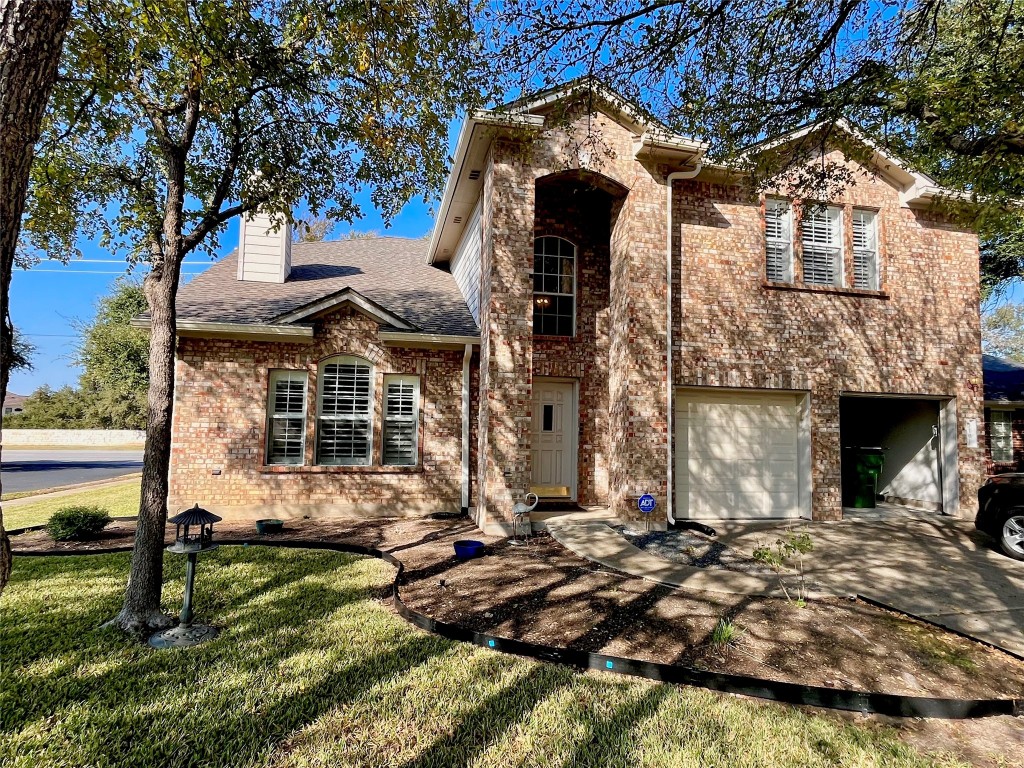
725, 634
77, 522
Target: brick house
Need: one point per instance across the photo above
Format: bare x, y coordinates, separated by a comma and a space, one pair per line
525, 346
1004, 414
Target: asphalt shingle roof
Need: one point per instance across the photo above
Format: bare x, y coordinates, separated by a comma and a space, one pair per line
389, 271
1004, 379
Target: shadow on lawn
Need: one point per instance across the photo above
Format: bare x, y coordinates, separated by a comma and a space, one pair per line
271, 672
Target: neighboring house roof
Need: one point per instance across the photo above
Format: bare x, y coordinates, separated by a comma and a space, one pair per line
1004, 379
14, 401
386, 276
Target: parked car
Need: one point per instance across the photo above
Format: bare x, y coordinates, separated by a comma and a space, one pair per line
1001, 512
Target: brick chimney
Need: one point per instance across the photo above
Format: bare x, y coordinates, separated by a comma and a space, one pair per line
264, 256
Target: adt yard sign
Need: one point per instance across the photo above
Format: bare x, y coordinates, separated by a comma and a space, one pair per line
646, 503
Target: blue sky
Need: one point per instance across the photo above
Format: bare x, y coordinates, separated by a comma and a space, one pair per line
46, 299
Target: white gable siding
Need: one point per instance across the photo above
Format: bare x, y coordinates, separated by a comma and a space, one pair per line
465, 263
264, 256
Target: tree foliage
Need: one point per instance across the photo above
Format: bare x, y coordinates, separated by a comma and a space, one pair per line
243, 105
48, 408
115, 360
313, 229
22, 351
1002, 331
937, 82
171, 118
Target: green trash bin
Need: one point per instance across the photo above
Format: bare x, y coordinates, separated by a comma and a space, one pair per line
867, 466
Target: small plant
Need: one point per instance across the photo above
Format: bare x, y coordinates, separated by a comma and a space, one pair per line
77, 522
777, 556
725, 634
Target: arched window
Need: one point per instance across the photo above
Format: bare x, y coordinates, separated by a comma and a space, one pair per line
554, 287
344, 432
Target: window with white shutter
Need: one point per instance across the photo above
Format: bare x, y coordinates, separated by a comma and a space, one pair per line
821, 234
778, 232
286, 417
401, 420
865, 249
1000, 430
345, 412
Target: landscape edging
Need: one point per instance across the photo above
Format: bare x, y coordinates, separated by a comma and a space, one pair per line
890, 704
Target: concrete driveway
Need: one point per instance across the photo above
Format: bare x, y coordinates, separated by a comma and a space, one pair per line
36, 469
934, 567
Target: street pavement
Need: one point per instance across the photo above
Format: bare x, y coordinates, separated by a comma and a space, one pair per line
36, 469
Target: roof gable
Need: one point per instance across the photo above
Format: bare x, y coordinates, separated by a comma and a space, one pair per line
914, 186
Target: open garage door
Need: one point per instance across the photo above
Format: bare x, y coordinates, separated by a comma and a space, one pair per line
739, 455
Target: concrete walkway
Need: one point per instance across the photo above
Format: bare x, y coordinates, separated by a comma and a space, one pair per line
936, 568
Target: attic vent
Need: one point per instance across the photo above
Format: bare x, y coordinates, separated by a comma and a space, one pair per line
474, 175
457, 220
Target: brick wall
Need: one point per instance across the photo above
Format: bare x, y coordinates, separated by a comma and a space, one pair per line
220, 425
919, 335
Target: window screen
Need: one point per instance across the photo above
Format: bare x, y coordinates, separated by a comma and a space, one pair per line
1001, 436
778, 241
821, 236
344, 425
865, 250
286, 417
554, 287
401, 419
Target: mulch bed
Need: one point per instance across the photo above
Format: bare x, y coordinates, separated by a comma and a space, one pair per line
546, 594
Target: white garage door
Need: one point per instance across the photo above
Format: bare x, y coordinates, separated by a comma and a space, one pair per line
737, 455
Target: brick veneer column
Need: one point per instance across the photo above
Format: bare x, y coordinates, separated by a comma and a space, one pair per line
638, 411
507, 329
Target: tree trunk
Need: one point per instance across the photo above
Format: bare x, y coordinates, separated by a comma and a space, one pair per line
141, 613
31, 37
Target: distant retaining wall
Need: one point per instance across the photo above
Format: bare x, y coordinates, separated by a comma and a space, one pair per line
84, 438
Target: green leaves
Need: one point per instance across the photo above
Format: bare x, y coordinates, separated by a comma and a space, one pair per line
168, 120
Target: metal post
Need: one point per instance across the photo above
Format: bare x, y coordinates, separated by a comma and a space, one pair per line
190, 576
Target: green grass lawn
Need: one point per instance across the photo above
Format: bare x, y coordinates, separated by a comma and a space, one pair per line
314, 669
121, 500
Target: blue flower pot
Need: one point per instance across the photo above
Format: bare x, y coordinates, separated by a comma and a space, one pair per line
269, 526
467, 549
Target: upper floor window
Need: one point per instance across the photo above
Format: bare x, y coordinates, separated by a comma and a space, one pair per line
401, 419
822, 255
554, 287
821, 230
778, 230
865, 249
1000, 430
344, 412
286, 416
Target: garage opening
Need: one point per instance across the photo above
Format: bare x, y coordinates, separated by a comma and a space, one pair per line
892, 454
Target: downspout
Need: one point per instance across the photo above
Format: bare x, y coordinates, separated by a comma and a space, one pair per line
669, 388
467, 355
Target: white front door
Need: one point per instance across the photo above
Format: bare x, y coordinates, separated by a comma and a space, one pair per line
553, 446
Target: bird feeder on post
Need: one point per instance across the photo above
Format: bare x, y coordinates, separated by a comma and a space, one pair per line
193, 534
